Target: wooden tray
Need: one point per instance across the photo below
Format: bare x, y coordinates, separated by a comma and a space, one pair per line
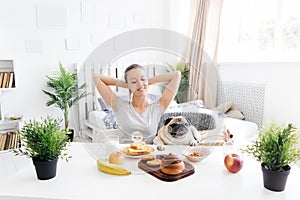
155, 171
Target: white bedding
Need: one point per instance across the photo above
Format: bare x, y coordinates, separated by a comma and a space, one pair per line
242, 130
96, 117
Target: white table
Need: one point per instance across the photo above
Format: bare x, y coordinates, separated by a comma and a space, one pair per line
80, 179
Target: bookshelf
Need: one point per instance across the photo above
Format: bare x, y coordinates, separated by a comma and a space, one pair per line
7, 79
9, 137
7, 74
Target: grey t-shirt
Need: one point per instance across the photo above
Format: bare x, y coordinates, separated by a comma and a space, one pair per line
129, 120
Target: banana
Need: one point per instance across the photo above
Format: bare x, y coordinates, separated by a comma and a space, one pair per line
110, 168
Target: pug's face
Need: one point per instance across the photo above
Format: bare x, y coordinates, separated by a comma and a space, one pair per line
177, 127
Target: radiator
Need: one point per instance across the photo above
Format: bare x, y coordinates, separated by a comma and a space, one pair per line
248, 97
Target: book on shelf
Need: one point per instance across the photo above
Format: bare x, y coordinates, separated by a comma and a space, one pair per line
12, 137
4, 135
7, 80
1, 139
9, 140
16, 143
11, 80
6, 146
1, 78
4, 81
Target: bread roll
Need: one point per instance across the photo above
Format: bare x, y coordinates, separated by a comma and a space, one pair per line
148, 157
138, 145
172, 165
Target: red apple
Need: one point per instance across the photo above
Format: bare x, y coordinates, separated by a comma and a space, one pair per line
116, 158
233, 162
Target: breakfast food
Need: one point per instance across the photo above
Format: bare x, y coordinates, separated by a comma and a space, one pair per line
172, 165
137, 145
116, 157
233, 162
168, 167
110, 168
138, 148
154, 163
195, 154
148, 157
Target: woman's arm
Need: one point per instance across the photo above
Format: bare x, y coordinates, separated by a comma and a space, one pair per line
102, 84
173, 80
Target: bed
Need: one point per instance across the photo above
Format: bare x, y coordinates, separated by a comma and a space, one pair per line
97, 119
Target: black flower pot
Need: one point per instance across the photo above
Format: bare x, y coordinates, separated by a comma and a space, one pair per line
70, 135
275, 180
45, 169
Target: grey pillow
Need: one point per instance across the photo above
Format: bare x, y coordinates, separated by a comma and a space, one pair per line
104, 106
110, 120
201, 120
194, 111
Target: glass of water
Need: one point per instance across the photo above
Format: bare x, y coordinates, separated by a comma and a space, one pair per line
113, 140
137, 136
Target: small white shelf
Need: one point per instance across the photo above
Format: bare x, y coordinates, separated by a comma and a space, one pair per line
7, 80
96, 133
9, 125
9, 138
7, 74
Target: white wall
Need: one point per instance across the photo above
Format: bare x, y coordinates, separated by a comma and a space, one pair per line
103, 19
282, 91
179, 15
18, 23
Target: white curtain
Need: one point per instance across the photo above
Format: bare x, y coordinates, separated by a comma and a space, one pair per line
204, 32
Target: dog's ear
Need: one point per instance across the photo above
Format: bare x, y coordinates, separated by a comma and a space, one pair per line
168, 121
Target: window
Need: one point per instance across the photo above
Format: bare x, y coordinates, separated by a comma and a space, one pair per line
260, 30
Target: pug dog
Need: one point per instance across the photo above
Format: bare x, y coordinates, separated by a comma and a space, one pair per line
177, 131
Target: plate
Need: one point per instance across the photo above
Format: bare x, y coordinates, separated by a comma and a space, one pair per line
139, 155
155, 171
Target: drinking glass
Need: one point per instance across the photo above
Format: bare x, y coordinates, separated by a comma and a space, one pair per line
137, 136
112, 143
113, 139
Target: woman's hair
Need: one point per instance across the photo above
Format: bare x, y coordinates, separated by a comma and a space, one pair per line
133, 66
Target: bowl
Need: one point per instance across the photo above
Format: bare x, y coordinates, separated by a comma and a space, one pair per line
196, 154
13, 117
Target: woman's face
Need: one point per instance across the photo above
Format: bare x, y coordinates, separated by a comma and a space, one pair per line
137, 81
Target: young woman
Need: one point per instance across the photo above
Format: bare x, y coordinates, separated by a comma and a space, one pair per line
137, 114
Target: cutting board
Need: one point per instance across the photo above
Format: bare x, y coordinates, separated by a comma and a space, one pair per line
155, 171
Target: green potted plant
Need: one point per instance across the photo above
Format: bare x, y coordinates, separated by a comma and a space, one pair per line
184, 82
64, 93
45, 142
276, 149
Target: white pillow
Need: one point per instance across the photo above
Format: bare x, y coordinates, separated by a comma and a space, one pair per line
189, 106
96, 117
